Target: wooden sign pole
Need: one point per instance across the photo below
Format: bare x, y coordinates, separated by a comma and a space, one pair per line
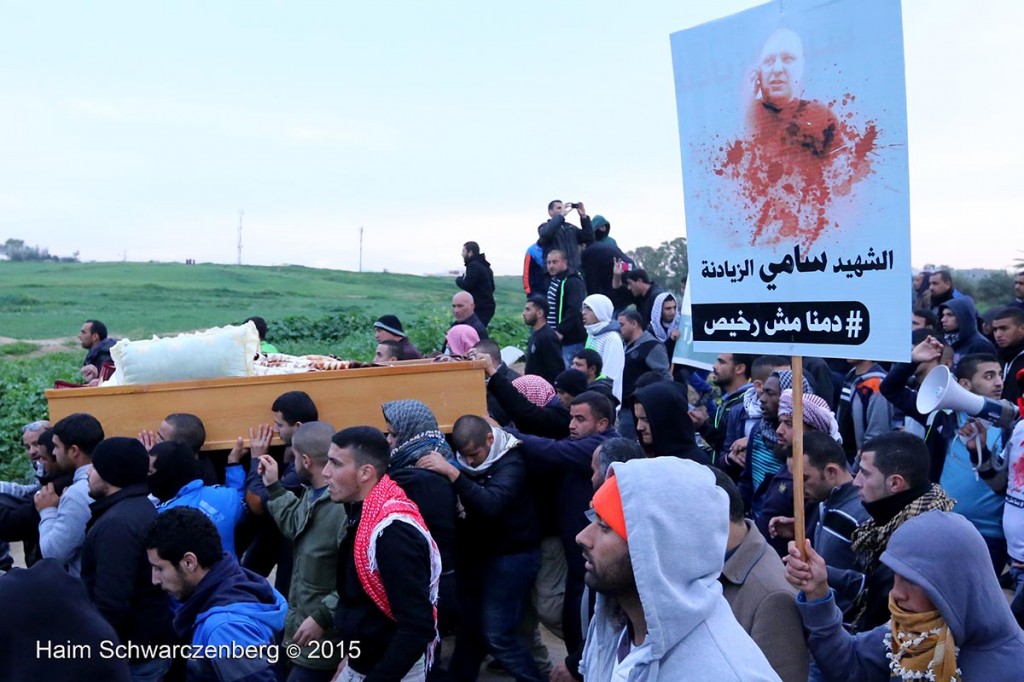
799, 530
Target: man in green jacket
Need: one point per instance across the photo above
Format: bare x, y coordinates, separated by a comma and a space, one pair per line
316, 528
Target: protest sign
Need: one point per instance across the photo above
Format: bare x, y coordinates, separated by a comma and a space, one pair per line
793, 133
683, 354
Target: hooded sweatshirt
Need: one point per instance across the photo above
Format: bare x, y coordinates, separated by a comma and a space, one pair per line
668, 415
691, 631
966, 339
231, 606
603, 336
935, 550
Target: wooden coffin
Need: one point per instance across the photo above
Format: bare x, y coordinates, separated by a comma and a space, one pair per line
230, 407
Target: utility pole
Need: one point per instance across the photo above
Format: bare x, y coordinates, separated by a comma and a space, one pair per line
240, 214
360, 248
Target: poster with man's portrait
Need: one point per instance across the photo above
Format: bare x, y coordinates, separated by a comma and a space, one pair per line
793, 133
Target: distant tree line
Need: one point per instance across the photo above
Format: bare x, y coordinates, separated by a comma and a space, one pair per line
17, 250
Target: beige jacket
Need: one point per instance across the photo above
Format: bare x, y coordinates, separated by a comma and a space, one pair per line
754, 584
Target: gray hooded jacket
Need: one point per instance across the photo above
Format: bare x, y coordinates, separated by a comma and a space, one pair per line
677, 522
944, 554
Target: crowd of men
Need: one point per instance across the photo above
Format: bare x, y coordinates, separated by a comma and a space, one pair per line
643, 515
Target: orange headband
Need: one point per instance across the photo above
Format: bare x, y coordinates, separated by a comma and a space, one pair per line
608, 505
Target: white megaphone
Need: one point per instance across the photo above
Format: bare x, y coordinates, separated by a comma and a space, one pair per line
940, 391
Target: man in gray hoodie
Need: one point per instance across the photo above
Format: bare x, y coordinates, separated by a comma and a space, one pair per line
654, 550
942, 621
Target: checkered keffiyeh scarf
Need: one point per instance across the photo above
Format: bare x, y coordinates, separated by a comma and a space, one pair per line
416, 432
870, 538
535, 389
387, 503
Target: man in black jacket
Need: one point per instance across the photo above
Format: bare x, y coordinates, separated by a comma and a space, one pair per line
565, 295
1008, 330
115, 568
93, 337
663, 424
543, 350
478, 280
497, 548
556, 233
386, 603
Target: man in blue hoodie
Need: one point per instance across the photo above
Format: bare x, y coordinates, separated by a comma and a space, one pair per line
232, 616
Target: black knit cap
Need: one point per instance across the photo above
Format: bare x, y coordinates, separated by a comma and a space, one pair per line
390, 323
571, 381
121, 462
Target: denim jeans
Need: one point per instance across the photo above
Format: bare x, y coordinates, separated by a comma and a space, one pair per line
492, 595
418, 673
569, 352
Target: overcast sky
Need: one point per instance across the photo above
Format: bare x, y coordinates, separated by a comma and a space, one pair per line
140, 129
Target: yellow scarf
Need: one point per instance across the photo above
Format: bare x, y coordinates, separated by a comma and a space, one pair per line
921, 646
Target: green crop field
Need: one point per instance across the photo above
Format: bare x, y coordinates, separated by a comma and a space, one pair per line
307, 310
47, 300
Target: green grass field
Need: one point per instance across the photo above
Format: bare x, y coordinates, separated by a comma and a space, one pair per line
135, 300
309, 310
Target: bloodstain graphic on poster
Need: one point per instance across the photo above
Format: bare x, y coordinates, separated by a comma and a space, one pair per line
796, 156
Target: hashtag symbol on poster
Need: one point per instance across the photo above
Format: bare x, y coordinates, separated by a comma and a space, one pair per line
854, 324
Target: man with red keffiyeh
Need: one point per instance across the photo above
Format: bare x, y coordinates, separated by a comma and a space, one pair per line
389, 566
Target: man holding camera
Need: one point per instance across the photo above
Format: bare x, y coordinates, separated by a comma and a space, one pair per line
556, 233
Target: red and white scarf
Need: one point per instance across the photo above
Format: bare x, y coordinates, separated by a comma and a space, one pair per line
386, 504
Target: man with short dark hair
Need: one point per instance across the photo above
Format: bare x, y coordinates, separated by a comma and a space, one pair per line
924, 319
93, 337
387, 351
565, 295
389, 566
834, 507
115, 569
489, 349
642, 353
731, 373
63, 519
894, 487
940, 286
478, 280
1008, 331
543, 349
1018, 291
590, 363
389, 328
959, 443
190, 430
642, 290
222, 605
316, 529
497, 547
569, 460
556, 233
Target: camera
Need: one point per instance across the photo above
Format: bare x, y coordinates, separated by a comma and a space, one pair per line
626, 267
571, 205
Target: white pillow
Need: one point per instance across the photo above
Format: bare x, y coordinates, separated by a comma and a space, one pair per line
210, 354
